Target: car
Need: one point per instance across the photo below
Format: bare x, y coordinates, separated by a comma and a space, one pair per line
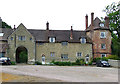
5, 61
102, 63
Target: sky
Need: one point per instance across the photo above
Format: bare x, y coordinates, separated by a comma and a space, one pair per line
61, 14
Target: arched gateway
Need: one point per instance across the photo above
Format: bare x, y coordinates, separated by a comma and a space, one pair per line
21, 55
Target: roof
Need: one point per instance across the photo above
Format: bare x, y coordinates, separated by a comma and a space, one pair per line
60, 35
43, 35
96, 24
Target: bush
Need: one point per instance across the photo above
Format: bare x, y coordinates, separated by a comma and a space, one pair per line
38, 63
63, 63
13, 63
80, 62
114, 57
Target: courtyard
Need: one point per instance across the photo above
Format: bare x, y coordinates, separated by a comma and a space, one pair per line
40, 73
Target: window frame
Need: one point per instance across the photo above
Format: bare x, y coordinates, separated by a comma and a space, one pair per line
52, 54
102, 55
64, 43
103, 36
83, 40
52, 39
78, 54
103, 46
64, 56
21, 38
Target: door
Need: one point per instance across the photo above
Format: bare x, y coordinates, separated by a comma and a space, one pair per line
43, 59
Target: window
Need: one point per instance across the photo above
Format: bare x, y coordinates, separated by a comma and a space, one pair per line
52, 54
83, 40
21, 38
2, 54
102, 35
103, 46
64, 56
103, 55
31, 39
101, 24
52, 39
1, 34
79, 54
11, 38
64, 43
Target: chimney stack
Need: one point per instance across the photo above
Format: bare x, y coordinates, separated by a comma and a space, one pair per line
71, 33
47, 25
86, 21
0, 22
92, 18
106, 21
14, 27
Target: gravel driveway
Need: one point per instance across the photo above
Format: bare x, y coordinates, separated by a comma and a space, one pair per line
66, 73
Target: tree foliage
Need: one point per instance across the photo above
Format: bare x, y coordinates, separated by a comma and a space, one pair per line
5, 25
113, 12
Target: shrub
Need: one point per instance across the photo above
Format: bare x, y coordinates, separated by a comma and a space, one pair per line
38, 63
63, 63
13, 63
115, 57
80, 62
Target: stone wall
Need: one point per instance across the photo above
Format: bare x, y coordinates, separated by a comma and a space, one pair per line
114, 63
71, 49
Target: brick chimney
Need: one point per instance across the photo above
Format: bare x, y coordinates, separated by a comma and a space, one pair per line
0, 22
47, 25
71, 33
86, 21
106, 21
92, 18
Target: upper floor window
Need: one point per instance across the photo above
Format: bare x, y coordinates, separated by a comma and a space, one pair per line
1, 34
101, 24
30, 38
79, 54
21, 38
83, 40
64, 56
64, 43
103, 55
103, 46
52, 39
102, 35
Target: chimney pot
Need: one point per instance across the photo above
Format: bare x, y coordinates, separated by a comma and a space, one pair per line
92, 18
86, 21
47, 25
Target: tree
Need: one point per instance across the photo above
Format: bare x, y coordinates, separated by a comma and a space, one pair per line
5, 25
113, 12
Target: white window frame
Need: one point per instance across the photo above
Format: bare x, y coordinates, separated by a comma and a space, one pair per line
103, 47
102, 55
64, 56
102, 25
21, 38
52, 39
83, 40
102, 36
1, 34
78, 54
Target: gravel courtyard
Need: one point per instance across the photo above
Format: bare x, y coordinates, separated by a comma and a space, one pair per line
62, 73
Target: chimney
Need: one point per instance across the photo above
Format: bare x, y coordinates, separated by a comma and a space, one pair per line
71, 33
0, 22
86, 21
106, 21
47, 25
92, 18
14, 27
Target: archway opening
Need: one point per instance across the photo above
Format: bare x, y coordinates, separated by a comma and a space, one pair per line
21, 55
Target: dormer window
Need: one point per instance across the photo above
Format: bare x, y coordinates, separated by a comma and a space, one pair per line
83, 40
52, 39
1, 34
101, 24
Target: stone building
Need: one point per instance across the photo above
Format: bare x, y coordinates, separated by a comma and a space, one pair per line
58, 45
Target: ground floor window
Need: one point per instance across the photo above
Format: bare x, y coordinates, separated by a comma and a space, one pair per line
2, 54
64, 56
78, 54
103, 55
52, 54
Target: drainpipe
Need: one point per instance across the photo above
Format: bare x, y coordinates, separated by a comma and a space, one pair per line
35, 52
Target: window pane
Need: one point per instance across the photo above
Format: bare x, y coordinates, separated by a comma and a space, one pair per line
64, 56
64, 43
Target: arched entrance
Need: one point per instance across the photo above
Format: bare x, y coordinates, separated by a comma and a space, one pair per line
21, 55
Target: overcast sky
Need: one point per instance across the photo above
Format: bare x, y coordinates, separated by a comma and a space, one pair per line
61, 14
